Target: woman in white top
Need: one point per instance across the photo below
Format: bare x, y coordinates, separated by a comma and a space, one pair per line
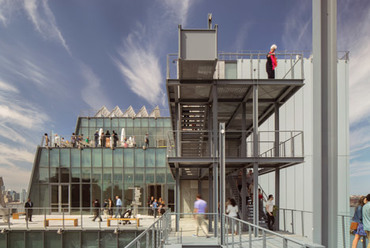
270, 213
232, 210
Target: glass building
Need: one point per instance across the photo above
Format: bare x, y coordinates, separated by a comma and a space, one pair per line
70, 178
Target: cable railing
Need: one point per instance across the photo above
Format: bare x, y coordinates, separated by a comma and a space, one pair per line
257, 236
239, 144
71, 218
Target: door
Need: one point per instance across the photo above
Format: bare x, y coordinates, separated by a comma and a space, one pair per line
155, 190
60, 195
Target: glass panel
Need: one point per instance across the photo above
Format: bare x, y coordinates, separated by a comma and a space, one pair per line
86, 190
84, 122
107, 183
230, 70
75, 158
44, 160
54, 175
96, 192
139, 177
129, 123
43, 175
107, 123
75, 195
152, 122
125, 238
159, 122
129, 132
161, 157
85, 132
85, 177
128, 176
144, 122
149, 175
99, 123
3, 240
128, 195
86, 157
117, 175
96, 176
44, 195
137, 122
117, 190
150, 157
34, 240
170, 178
71, 239
64, 175
167, 122
64, 157
65, 194
108, 239
128, 157
107, 157
75, 174
96, 157
122, 123
54, 197
54, 158
114, 122
171, 196
139, 158
118, 157
160, 175
92, 123
52, 239
16, 239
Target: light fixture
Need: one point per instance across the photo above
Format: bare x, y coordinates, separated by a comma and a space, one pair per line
60, 231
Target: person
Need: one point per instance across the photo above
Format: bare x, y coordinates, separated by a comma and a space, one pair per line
200, 207
260, 205
110, 207
102, 139
73, 140
357, 217
133, 141
271, 62
46, 138
115, 139
270, 213
146, 141
154, 207
366, 218
56, 140
111, 143
161, 206
150, 205
96, 137
106, 210
28, 206
118, 207
96, 206
232, 210
107, 139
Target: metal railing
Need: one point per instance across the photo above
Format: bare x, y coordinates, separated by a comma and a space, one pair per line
155, 235
234, 237
253, 64
196, 143
293, 221
75, 218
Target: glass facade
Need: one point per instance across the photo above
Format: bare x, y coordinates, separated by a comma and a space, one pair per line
71, 178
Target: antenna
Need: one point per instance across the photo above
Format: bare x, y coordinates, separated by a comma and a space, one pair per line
209, 20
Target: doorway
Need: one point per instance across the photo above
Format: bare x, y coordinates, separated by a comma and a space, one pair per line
155, 190
60, 198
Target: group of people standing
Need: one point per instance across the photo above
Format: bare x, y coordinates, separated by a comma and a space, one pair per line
156, 206
360, 225
106, 139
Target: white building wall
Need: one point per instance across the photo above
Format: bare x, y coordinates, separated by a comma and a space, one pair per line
296, 182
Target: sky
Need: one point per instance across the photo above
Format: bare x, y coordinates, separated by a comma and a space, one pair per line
61, 59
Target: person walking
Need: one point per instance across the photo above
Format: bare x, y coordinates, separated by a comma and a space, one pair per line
155, 206
150, 205
271, 62
28, 206
232, 211
46, 139
96, 206
118, 207
269, 212
96, 137
366, 218
200, 207
357, 217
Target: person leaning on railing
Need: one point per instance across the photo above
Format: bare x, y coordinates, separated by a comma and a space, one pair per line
356, 226
366, 218
271, 62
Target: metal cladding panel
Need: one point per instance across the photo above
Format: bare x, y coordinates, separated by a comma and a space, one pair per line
198, 44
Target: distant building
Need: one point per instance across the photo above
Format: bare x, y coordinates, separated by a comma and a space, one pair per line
23, 196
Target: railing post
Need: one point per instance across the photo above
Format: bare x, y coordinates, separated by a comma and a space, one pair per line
9, 212
284, 220
147, 240
264, 238
285, 243
302, 216
153, 237
292, 221
240, 234
344, 234
232, 231
250, 236
63, 217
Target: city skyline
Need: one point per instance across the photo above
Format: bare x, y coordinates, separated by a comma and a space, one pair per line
59, 59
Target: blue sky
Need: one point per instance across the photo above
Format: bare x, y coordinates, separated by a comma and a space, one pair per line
61, 58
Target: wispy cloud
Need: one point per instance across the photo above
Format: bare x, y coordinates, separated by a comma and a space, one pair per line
92, 92
138, 57
44, 21
7, 87
297, 33
241, 37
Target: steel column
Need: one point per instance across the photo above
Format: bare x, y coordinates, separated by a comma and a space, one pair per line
255, 154
215, 154
277, 170
210, 200
177, 194
244, 196
222, 181
326, 155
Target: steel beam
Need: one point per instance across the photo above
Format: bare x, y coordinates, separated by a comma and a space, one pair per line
177, 207
210, 200
255, 153
215, 154
222, 181
192, 83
